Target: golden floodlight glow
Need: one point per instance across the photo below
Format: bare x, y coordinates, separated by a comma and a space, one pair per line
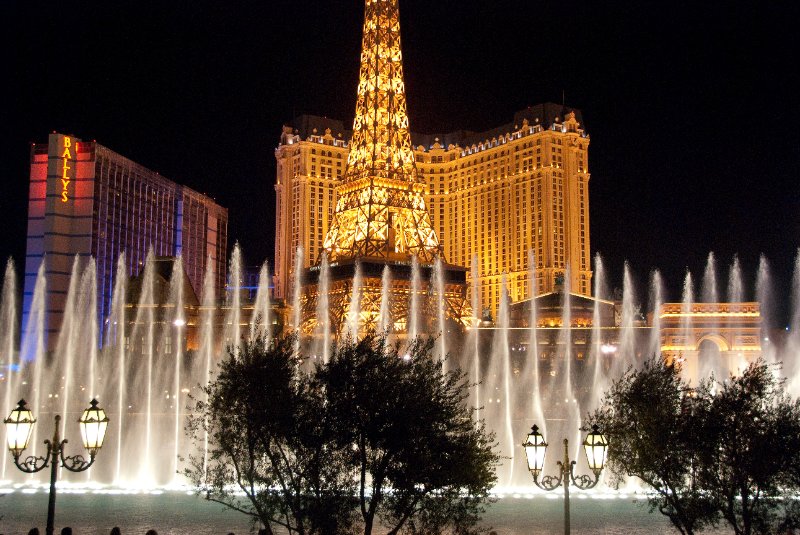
381, 209
710, 315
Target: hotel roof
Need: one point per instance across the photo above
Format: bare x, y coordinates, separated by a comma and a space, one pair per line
546, 115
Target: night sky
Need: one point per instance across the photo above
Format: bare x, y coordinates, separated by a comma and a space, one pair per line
692, 107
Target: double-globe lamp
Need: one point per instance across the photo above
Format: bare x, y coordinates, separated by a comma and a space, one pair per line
19, 428
596, 447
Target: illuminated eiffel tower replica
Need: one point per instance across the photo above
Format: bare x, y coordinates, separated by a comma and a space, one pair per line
381, 218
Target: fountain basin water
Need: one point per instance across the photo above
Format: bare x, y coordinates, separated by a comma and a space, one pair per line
96, 510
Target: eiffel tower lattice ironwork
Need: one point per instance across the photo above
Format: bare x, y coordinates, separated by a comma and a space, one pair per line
380, 211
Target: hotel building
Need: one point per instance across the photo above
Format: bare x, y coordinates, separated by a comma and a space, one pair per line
87, 200
494, 196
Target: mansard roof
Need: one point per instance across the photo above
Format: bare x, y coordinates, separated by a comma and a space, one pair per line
546, 114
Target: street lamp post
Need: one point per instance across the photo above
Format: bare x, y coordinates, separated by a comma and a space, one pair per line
19, 427
596, 448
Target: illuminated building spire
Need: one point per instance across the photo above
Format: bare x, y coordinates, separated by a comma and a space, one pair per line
381, 210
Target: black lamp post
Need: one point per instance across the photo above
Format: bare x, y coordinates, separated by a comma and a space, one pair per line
596, 447
19, 427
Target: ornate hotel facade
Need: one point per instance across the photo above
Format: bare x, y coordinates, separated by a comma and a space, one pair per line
86, 200
383, 219
493, 196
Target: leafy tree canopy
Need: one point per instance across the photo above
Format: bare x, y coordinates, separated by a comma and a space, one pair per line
644, 416
720, 452
422, 463
374, 439
750, 450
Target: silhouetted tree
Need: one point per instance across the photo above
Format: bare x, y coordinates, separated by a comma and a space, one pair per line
646, 415
375, 439
723, 451
751, 449
267, 438
423, 466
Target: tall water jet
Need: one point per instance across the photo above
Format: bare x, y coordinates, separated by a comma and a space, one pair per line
601, 350
89, 339
626, 352
502, 356
32, 339
354, 310
261, 322
385, 318
709, 362
65, 347
570, 411
735, 282
143, 333
736, 295
207, 345
176, 324
764, 297
794, 312
709, 292
792, 365
596, 354
474, 338
115, 337
233, 319
413, 307
8, 338
91, 328
32, 350
531, 378
764, 293
297, 314
438, 283
688, 368
656, 300
75, 357
323, 308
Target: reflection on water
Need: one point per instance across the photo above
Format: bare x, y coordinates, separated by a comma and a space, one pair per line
91, 512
